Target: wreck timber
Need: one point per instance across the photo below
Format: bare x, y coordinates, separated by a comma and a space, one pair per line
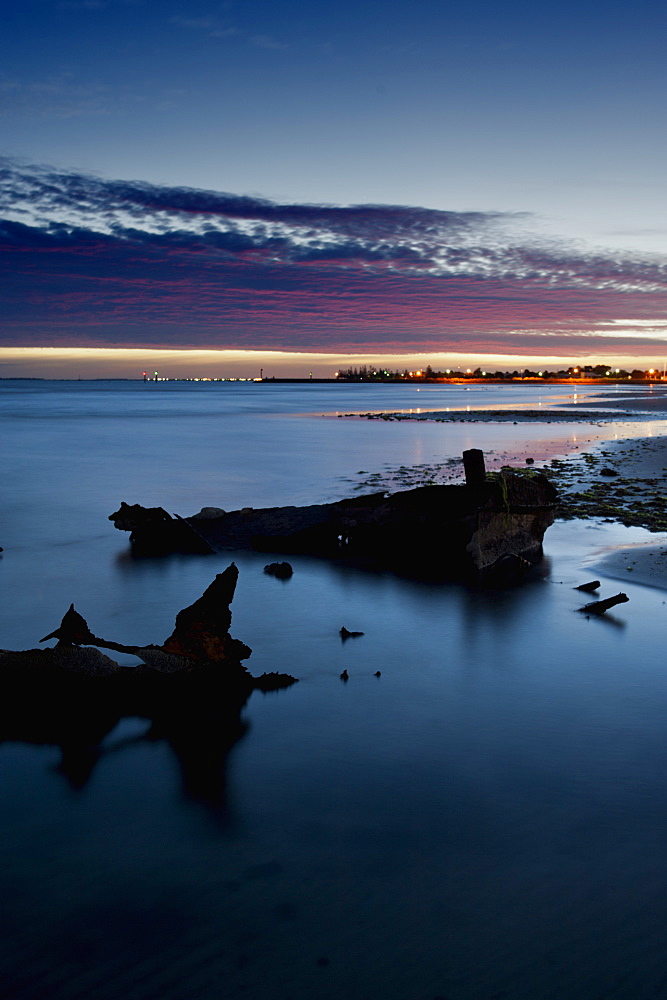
489, 528
200, 654
191, 690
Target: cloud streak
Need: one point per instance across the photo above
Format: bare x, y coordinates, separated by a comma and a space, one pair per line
94, 262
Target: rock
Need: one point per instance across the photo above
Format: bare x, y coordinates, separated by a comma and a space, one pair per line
281, 570
608, 472
345, 634
85, 662
165, 663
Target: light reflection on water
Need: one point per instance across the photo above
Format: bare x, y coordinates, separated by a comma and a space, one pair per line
485, 818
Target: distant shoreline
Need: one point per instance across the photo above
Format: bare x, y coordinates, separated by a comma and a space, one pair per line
512, 383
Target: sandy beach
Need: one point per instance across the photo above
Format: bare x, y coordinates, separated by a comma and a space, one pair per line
642, 463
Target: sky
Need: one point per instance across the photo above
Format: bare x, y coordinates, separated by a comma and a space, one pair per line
290, 186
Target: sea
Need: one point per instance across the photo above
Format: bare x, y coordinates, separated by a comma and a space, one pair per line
485, 819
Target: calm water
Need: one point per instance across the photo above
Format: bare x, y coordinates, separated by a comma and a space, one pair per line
486, 819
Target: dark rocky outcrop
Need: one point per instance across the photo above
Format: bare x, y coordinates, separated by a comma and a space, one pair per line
490, 528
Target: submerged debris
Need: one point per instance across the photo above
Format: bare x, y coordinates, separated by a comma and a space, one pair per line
281, 570
599, 607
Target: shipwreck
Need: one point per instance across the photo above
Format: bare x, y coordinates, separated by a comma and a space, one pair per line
490, 528
200, 648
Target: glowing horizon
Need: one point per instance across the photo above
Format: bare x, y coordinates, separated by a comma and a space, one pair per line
103, 362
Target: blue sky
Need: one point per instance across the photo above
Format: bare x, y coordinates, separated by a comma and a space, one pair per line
522, 145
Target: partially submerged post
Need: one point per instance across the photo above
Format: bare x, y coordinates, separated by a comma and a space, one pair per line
473, 466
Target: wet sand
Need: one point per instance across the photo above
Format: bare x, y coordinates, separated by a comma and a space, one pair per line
642, 462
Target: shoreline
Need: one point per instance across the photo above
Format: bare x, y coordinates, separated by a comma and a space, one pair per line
621, 478
642, 463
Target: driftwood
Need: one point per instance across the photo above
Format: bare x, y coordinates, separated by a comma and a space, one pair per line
589, 588
490, 529
599, 607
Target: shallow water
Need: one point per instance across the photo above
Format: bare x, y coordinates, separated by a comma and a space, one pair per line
487, 818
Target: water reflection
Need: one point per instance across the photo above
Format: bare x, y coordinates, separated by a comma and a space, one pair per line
609, 620
200, 731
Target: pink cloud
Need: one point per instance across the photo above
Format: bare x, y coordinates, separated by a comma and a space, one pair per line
254, 274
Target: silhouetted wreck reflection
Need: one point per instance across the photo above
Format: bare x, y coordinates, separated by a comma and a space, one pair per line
201, 736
